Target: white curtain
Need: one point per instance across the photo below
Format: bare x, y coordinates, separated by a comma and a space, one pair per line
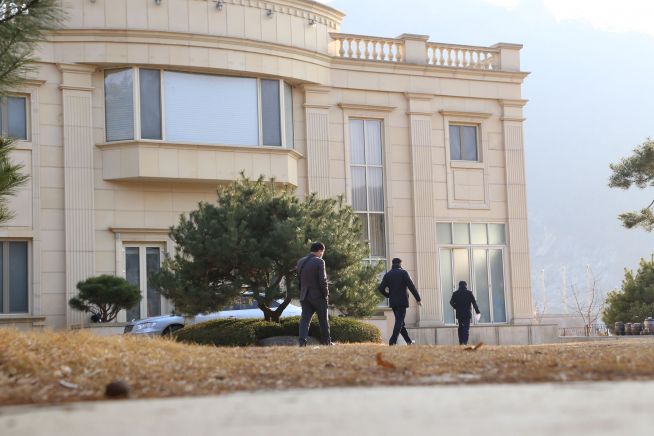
211, 109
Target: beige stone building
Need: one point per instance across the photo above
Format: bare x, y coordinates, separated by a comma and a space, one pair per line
139, 108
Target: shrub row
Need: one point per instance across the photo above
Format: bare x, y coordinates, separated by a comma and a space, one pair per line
245, 332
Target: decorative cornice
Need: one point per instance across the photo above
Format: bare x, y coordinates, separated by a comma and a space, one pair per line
426, 114
519, 120
316, 106
160, 37
413, 37
157, 230
316, 89
366, 107
418, 96
508, 45
456, 72
34, 83
514, 103
191, 146
299, 8
76, 68
446, 113
77, 88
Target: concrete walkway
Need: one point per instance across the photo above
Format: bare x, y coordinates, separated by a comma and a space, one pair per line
544, 409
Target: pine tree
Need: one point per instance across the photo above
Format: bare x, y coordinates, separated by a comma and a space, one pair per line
636, 170
11, 179
635, 300
23, 25
251, 241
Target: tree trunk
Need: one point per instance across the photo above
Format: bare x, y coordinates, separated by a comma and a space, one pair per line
267, 312
274, 315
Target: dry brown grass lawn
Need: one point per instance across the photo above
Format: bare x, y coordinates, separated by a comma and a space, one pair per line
73, 366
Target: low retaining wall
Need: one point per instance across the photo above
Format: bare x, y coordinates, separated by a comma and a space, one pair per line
502, 334
23, 322
107, 329
488, 334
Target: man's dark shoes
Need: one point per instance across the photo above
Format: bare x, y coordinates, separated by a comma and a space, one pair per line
411, 343
303, 342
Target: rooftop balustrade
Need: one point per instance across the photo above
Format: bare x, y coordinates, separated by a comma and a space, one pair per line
417, 50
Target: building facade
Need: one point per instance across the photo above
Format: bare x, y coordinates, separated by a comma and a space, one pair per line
140, 108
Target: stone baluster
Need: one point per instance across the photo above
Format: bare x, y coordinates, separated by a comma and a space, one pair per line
366, 43
341, 49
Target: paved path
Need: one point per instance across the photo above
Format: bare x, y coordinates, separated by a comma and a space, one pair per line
546, 409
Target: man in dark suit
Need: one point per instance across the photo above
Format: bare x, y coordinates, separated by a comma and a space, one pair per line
397, 280
461, 301
314, 293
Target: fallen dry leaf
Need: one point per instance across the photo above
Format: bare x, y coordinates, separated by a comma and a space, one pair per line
383, 363
473, 347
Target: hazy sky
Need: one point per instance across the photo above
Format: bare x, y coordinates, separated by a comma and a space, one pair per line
591, 101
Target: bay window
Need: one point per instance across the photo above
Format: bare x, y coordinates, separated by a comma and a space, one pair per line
197, 108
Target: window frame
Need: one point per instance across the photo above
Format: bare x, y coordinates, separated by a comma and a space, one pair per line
370, 258
136, 99
4, 111
143, 277
4, 284
470, 247
460, 126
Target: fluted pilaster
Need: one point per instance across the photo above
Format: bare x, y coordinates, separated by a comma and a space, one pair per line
78, 181
521, 296
423, 206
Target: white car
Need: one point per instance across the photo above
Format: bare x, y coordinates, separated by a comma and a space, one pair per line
165, 325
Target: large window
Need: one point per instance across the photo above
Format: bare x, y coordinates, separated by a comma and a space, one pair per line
473, 253
463, 142
14, 283
366, 168
13, 117
197, 108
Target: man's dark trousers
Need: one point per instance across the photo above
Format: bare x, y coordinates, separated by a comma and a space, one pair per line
309, 307
399, 327
464, 330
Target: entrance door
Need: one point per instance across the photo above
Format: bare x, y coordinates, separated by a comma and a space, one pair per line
141, 262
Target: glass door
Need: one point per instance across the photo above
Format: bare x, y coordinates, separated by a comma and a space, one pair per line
141, 262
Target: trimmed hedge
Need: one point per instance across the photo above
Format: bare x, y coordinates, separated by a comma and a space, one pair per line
247, 332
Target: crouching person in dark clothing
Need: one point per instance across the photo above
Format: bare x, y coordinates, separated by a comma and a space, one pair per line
461, 301
397, 280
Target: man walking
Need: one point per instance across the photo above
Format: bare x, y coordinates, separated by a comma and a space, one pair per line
461, 301
314, 293
397, 280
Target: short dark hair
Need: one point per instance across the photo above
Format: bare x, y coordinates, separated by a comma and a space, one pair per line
396, 261
317, 246
463, 284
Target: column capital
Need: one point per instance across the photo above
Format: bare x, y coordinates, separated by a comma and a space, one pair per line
512, 110
77, 76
